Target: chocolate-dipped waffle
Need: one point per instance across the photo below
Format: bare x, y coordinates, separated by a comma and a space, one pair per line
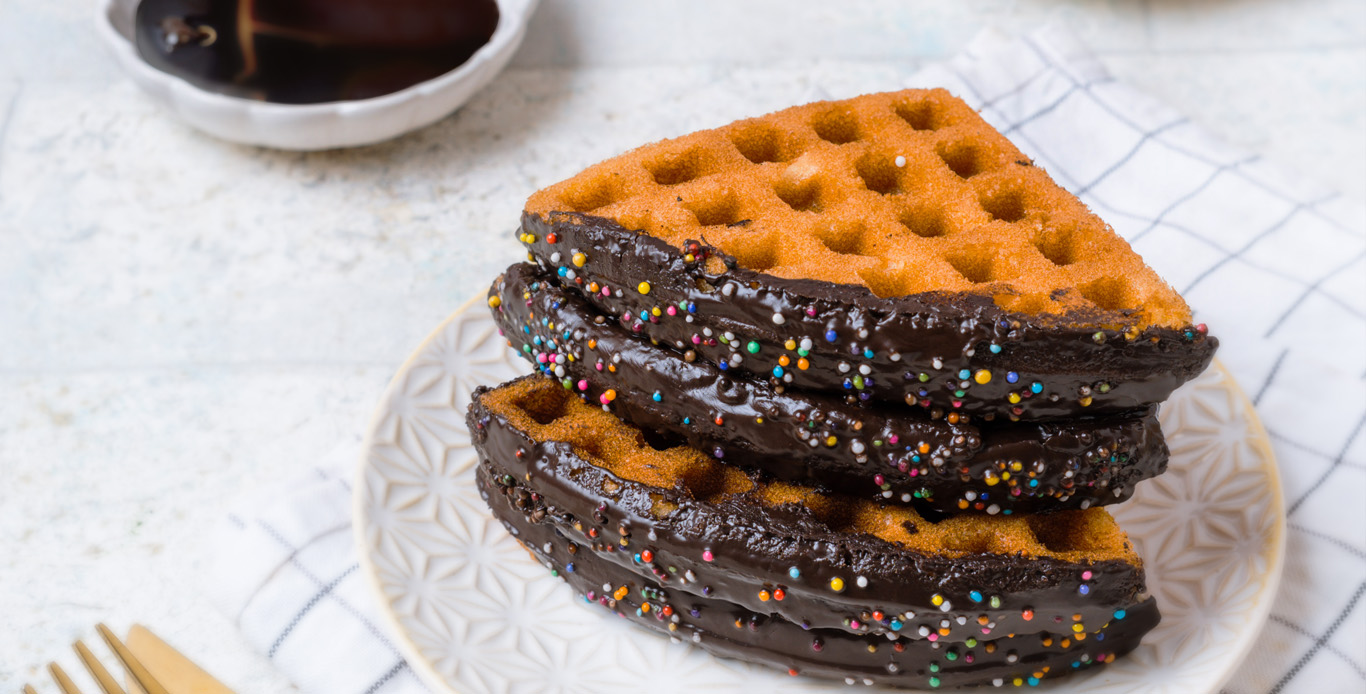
732, 631
948, 465
892, 247
819, 560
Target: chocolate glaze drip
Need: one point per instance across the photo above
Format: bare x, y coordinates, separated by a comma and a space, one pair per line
734, 631
863, 346
883, 453
735, 549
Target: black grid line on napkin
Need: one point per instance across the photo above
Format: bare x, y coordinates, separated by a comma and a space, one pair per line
306, 557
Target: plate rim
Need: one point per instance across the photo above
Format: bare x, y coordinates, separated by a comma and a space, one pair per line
369, 570
426, 672
1271, 585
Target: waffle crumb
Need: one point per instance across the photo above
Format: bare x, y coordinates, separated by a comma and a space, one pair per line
902, 192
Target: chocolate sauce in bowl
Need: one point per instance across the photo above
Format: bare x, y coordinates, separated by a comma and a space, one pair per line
311, 51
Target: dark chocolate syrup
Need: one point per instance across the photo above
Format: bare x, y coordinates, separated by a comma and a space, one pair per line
944, 352
742, 552
882, 453
311, 51
730, 630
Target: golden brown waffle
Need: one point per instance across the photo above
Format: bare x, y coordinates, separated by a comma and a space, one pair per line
901, 192
548, 412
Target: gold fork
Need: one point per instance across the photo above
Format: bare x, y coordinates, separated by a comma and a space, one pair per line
137, 673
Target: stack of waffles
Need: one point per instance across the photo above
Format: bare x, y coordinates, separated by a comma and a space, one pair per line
840, 390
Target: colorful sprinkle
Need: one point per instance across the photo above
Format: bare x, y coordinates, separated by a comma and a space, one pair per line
837, 584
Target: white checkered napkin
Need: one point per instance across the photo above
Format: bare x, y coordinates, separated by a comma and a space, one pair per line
285, 569
1276, 266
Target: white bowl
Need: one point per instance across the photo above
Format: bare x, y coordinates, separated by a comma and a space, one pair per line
315, 126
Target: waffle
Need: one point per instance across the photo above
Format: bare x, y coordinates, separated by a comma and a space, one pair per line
907, 205
902, 193
732, 631
941, 466
822, 560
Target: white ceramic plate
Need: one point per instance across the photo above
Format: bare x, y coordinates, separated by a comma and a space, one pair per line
314, 126
472, 612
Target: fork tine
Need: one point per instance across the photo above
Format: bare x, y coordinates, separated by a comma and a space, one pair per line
63, 682
101, 675
135, 668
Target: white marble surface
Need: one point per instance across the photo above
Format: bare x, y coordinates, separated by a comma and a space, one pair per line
183, 320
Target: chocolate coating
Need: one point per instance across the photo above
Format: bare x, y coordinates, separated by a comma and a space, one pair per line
878, 452
729, 630
740, 551
860, 345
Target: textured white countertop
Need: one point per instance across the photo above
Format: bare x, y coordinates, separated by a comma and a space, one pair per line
183, 320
